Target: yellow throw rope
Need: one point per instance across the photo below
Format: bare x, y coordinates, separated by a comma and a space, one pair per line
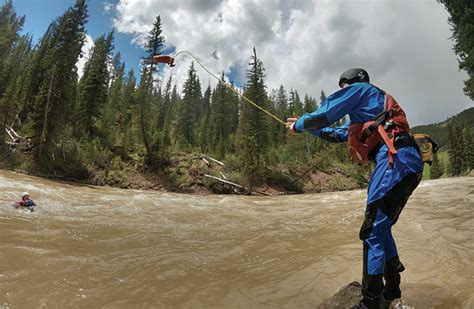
231, 88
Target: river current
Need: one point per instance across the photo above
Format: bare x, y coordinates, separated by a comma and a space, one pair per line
98, 247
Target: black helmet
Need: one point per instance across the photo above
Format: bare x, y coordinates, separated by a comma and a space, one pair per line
353, 76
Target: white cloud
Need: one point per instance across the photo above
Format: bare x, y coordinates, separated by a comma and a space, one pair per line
108, 7
306, 44
86, 51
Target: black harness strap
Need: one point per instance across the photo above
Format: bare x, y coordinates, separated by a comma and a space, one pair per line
379, 119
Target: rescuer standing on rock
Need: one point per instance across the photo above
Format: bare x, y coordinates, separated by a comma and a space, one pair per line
377, 130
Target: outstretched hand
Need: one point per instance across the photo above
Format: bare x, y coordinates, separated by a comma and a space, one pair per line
290, 123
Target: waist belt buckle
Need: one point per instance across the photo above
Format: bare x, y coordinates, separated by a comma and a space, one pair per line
388, 125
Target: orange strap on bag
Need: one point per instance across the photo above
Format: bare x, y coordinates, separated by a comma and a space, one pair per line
389, 141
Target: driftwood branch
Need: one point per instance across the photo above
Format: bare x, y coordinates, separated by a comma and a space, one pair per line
10, 134
13, 135
236, 185
226, 182
214, 160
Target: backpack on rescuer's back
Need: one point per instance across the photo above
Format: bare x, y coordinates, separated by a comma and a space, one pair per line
365, 138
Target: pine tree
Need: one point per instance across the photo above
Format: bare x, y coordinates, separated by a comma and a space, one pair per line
322, 97
165, 108
437, 168
93, 87
12, 75
219, 124
462, 21
253, 138
129, 94
13, 51
309, 104
153, 46
468, 142
58, 84
115, 110
35, 73
455, 149
203, 131
280, 107
165, 114
188, 110
295, 103
10, 27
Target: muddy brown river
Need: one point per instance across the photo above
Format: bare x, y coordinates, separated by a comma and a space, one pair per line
95, 247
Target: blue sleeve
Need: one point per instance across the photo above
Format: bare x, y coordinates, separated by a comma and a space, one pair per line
335, 135
332, 109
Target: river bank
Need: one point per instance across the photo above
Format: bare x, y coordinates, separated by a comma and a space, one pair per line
199, 174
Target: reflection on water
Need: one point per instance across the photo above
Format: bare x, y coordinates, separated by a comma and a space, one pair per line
89, 247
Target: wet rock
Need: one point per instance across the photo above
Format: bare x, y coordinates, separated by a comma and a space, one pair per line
350, 295
344, 298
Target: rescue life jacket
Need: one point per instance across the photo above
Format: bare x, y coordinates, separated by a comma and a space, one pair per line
365, 138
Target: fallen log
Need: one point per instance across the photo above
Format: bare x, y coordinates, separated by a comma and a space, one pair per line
225, 181
214, 160
205, 161
243, 189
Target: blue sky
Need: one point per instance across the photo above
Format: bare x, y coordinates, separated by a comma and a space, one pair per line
304, 44
40, 13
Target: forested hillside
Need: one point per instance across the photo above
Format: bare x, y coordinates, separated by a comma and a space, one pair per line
439, 131
109, 126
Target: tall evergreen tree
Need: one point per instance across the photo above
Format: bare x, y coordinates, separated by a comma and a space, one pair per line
309, 104
203, 131
322, 97
115, 109
189, 107
455, 149
93, 87
11, 87
153, 46
462, 21
280, 102
36, 72
437, 168
10, 27
129, 94
468, 143
223, 119
57, 86
295, 106
165, 114
13, 51
253, 138
217, 118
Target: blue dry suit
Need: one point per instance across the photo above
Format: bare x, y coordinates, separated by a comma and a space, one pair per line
362, 102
